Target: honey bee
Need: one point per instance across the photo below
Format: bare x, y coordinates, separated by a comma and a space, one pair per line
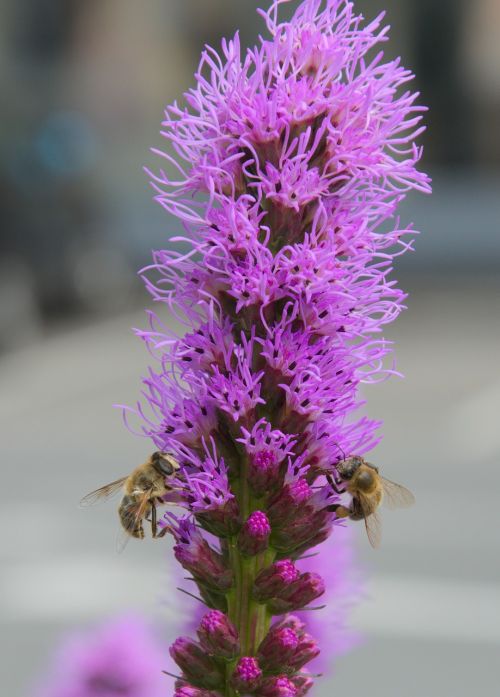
368, 490
142, 491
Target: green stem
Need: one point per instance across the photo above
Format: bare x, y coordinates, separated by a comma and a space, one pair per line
251, 618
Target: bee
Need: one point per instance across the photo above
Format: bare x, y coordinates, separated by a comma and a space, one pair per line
368, 490
142, 491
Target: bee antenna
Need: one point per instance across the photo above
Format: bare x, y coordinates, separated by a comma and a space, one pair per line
343, 453
313, 609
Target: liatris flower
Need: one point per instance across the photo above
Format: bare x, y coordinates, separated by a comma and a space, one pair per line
285, 169
121, 659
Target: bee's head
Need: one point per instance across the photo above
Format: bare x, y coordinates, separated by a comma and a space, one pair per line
164, 463
348, 468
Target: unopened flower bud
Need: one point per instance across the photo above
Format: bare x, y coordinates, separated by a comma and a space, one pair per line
300, 518
285, 505
307, 649
277, 648
218, 635
198, 557
324, 528
247, 675
223, 521
300, 593
198, 667
280, 686
254, 535
303, 683
274, 579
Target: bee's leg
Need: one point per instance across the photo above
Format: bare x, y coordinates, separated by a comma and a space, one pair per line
164, 531
340, 511
154, 526
331, 481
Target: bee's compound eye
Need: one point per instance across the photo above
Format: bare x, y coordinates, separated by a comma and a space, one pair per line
364, 480
165, 464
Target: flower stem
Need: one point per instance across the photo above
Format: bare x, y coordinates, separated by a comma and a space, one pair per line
251, 618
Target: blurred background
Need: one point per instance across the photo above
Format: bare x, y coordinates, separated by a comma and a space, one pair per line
84, 83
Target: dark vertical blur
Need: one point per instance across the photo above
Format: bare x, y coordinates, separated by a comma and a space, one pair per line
83, 87
438, 29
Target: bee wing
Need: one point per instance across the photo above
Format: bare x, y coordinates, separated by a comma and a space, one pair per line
373, 527
122, 540
105, 492
395, 495
372, 520
124, 536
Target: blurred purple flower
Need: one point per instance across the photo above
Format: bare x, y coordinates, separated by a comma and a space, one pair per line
336, 563
120, 659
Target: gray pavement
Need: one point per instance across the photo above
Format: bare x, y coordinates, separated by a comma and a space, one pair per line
431, 616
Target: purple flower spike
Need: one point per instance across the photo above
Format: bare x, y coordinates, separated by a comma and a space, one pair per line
254, 536
284, 166
247, 675
218, 635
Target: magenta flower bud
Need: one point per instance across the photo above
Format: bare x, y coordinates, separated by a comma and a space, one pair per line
218, 635
247, 675
271, 581
300, 593
254, 536
277, 648
306, 650
198, 667
263, 471
279, 686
